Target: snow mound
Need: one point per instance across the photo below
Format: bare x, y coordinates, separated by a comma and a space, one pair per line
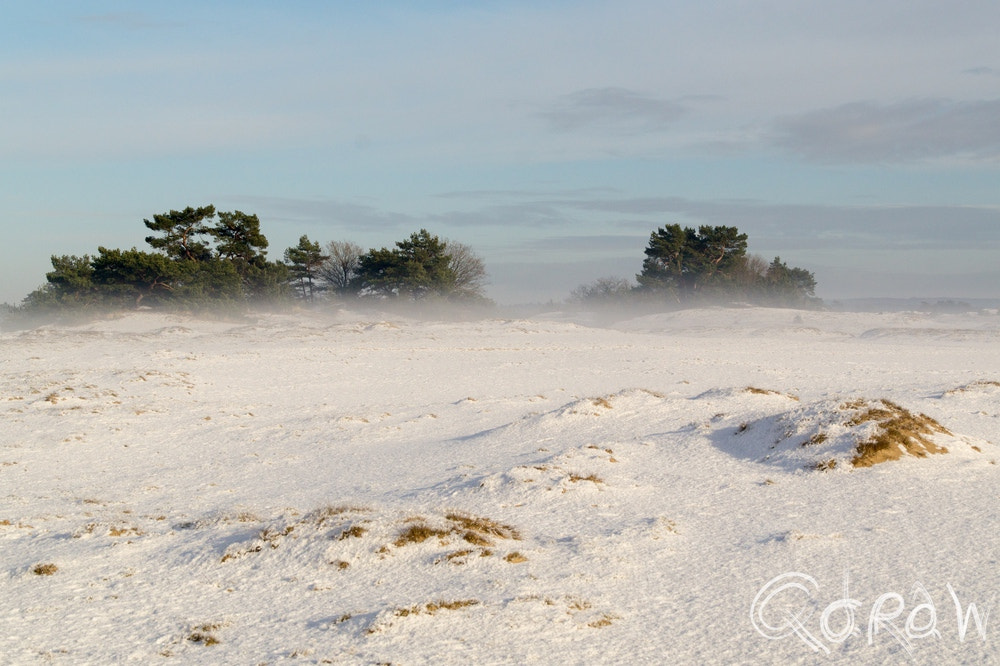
844, 434
727, 393
576, 469
976, 388
628, 402
941, 334
613, 413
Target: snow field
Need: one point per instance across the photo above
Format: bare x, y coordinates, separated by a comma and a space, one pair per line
349, 489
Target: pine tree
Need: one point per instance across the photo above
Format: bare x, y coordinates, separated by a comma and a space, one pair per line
304, 262
180, 231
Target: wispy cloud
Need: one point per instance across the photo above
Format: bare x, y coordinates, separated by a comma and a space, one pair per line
616, 109
910, 131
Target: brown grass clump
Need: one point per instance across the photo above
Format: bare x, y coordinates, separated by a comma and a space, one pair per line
126, 530
476, 538
982, 383
418, 533
273, 536
458, 555
760, 391
483, 526
46, 569
606, 620
593, 478
601, 402
818, 438
473, 530
322, 515
899, 431
203, 634
515, 558
434, 606
354, 531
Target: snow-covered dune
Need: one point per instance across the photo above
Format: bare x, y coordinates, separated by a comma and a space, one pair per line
688, 487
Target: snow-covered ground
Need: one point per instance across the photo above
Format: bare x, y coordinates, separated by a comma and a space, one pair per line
349, 488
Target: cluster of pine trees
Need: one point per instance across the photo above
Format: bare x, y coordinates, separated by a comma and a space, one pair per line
199, 257
708, 264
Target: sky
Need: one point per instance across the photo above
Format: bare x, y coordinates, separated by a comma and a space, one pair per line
858, 140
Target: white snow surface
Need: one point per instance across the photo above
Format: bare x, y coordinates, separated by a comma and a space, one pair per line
184, 490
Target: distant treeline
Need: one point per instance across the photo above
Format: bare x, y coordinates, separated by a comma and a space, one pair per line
200, 257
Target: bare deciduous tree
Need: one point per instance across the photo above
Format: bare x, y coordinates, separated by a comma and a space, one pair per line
603, 290
341, 266
469, 269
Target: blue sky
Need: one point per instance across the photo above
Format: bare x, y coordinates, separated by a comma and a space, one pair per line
858, 140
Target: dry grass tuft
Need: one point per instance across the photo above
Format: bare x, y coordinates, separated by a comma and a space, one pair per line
760, 391
475, 530
818, 438
418, 533
203, 634
476, 538
593, 478
434, 606
46, 569
982, 383
483, 526
458, 555
124, 531
899, 431
605, 620
323, 514
273, 537
601, 402
515, 558
354, 531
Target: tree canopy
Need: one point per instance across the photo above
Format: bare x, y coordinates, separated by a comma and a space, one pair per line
686, 263
180, 232
183, 269
419, 267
